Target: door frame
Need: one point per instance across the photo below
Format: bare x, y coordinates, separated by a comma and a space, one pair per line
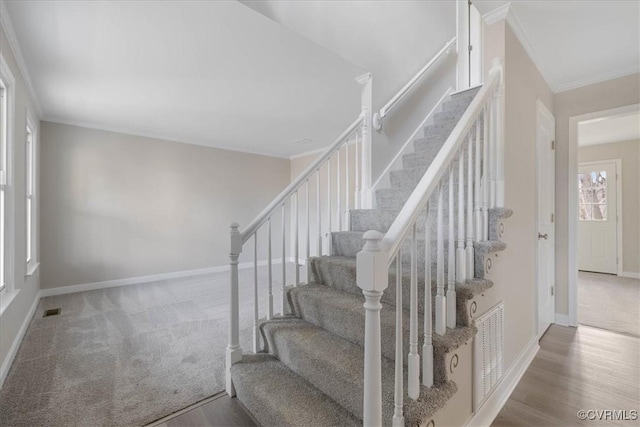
618, 163
543, 111
572, 205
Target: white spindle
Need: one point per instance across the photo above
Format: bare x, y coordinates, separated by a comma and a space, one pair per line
469, 252
414, 358
233, 353
485, 174
461, 263
476, 201
357, 171
347, 192
329, 205
492, 154
441, 302
427, 346
297, 239
256, 335
339, 193
499, 101
398, 417
318, 213
284, 260
451, 273
308, 246
270, 270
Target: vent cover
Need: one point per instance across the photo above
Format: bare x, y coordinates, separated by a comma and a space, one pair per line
488, 350
52, 312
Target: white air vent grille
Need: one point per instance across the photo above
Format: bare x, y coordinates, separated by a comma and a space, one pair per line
488, 350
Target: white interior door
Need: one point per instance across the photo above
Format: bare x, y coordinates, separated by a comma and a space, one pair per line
545, 162
597, 210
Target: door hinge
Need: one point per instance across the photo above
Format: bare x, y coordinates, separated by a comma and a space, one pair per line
552, 290
470, 48
552, 218
553, 144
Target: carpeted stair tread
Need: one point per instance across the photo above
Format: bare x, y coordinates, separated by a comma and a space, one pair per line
335, 366
277, 396
331, 309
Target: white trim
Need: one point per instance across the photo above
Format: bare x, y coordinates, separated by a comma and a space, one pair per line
572, 211
5, 20
630, 275
407, 148
10, 194
497, 14
62, 290
8, 360
496, 400
619, 235
562, 319
610, 75
31, 269
162, 137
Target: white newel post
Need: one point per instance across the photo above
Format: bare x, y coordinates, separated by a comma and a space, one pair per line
497, 65
234, 352
366, 80
373, 278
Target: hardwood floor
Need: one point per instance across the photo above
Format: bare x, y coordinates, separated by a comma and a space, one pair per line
577, 369
219, 411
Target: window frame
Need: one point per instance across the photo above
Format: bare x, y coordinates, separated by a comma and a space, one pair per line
31, 195
7, 163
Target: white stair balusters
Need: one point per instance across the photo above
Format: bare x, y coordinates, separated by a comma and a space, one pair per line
450, 310
486, 115
413, 358
284, 257
477, 200
469, 251
461, 264
427, 346
441, 302
398, 418
270, 261
256, 332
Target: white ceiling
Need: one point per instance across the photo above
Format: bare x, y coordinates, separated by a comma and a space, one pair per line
609, 130
205, 72
576, 43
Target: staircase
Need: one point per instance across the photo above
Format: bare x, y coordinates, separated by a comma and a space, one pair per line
313, 369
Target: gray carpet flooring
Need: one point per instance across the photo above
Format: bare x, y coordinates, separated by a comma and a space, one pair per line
609, 302
125, 356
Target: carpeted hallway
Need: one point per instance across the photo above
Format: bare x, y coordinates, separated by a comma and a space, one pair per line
609, 302
125, 356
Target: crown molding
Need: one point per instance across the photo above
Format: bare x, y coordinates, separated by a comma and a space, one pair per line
497, 14
587, 81
5, 21
161, 137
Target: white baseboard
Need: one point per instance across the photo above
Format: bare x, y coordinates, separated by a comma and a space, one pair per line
8, 360
493, 404
562, 319
62, 290
630, 275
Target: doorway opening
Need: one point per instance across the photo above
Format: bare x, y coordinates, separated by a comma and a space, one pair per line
605, 289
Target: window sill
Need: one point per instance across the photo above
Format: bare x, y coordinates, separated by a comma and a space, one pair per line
31, 269
5, 299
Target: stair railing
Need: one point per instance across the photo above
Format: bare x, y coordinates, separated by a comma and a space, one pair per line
479, 135
379, 116
354, 141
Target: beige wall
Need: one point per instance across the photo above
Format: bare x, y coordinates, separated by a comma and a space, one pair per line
27, 287
629, 152
118, 206
598, 97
